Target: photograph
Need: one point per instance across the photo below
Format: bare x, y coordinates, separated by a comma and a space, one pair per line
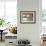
27, 17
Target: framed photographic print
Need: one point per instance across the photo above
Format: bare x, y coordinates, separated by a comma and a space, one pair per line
28, 17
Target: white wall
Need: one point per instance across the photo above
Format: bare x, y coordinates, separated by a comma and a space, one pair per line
30, 31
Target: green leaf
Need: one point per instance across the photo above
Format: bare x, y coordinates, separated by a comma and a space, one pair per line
1, 21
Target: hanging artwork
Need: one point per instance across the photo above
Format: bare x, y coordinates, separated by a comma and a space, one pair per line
27, 17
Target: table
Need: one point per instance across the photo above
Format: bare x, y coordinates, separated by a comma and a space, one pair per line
1, 34
10, 39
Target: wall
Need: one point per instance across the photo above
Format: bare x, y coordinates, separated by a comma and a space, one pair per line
30, 31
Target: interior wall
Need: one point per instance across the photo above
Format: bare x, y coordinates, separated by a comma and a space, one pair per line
30, 31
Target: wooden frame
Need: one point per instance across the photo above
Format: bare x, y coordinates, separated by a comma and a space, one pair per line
27, 17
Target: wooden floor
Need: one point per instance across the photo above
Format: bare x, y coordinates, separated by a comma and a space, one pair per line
2, 43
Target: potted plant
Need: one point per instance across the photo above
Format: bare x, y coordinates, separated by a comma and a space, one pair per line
1, 22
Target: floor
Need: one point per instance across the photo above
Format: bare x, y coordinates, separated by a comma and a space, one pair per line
2, 43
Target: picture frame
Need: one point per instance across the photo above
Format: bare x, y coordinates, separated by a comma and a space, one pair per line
27, 17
